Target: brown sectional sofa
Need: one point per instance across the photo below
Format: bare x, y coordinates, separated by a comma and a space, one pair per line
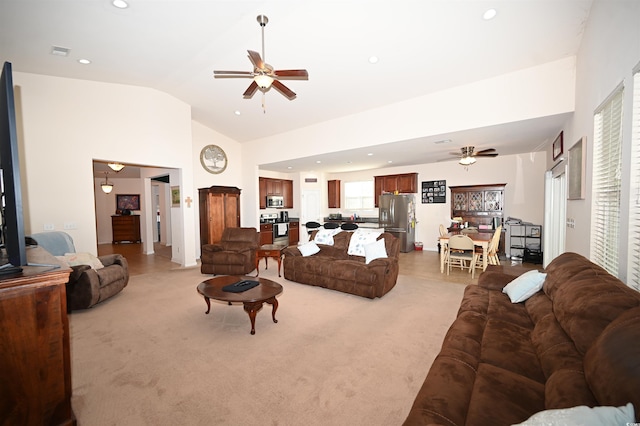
575, 342
333, 268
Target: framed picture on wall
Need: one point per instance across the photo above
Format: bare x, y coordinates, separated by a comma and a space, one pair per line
128, 201
557, 147
175, 196
577, 166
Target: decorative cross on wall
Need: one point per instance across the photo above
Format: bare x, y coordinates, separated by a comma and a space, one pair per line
188, 200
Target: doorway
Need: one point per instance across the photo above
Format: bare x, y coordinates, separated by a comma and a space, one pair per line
555, 213
310, 210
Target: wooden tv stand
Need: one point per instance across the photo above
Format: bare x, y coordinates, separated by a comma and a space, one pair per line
35, 362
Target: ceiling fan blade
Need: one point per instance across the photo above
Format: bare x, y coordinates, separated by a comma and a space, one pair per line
489, 154
232, 74
291, 74
288, 93
457, 154
256, 60
251, 90
485, 151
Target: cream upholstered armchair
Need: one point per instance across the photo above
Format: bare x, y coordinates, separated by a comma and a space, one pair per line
93, 279
235, 254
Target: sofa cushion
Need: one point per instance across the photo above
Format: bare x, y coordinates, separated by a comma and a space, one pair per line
375, 250
588, 299
524, 286
309, 248
75, 259
360, 238
583, 415
612, 365
325, 236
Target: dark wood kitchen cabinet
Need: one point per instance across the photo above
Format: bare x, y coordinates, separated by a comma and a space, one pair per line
334, 194
269, 186
266, 233
406, 183
219, 209
294, 233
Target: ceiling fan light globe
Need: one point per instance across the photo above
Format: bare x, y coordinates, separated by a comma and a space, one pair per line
467, 161
263, 81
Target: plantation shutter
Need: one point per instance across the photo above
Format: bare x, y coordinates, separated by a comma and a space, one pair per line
633, 274
607, 163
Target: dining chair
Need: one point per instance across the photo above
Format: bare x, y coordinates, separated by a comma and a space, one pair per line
492, 250
443, 232
461, 250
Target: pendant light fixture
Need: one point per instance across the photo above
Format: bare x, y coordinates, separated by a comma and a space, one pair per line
116, 167
106, 186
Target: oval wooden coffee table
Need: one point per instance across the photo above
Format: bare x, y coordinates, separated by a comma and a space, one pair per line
252, 299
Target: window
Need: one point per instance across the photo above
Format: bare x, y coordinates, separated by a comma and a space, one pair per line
358, 195
607, 163
633, 274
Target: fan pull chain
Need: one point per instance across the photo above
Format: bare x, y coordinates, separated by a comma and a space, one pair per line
264, 106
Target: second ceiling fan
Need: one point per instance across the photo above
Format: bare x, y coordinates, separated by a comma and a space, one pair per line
263, 75
467, 154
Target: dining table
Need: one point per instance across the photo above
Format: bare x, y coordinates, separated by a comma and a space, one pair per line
480, 239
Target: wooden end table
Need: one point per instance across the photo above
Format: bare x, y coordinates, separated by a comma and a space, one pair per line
252, 299
266, 251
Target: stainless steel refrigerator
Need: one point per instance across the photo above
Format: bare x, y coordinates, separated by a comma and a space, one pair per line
397, 215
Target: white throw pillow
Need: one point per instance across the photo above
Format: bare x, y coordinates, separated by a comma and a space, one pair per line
308, 249
525, 286
361, 238
325, 236
375, 251
584, 416
75, 259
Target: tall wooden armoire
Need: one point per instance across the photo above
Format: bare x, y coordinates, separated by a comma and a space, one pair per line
219, 209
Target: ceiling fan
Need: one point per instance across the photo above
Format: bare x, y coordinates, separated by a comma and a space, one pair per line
263, 75
467, 154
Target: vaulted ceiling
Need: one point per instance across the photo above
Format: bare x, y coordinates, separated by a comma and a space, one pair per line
422, 46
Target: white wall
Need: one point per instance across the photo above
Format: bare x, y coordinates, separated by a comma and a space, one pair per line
609, 51
64, 124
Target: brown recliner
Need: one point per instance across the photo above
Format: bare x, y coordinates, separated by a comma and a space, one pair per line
235, 254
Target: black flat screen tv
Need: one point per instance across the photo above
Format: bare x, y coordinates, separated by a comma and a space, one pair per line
12, 232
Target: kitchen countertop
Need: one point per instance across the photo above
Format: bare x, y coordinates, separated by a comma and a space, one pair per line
348, 220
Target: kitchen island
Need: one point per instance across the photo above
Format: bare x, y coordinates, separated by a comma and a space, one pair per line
362, 222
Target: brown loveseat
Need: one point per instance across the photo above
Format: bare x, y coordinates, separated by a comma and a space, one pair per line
235, 254
575, 342
333, 268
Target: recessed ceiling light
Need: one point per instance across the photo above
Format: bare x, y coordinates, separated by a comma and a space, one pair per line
236, 112
370, 154
373, 59
84, 61
289, 167
489, 14
120, 4
389, 161
318, 161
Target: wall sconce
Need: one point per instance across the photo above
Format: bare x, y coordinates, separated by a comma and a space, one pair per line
106, 186
116, 167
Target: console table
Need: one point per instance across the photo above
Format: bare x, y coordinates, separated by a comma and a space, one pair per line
266, 251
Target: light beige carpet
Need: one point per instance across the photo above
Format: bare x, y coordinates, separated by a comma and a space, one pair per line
150, 356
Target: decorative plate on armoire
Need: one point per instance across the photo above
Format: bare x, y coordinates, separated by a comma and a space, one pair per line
213, 159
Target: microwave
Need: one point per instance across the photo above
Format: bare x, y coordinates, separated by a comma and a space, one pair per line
276, 201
